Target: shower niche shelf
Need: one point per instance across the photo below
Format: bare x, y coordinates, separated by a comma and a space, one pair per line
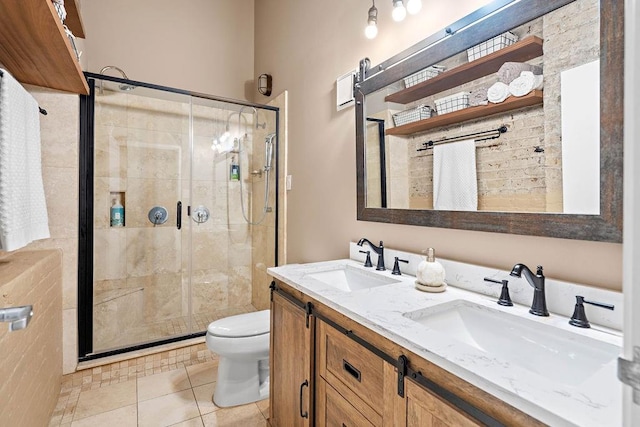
35, 48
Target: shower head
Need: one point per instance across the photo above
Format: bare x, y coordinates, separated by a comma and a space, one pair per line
255, 111
123, 87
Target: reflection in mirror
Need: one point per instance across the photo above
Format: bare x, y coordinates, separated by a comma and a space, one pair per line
547, 161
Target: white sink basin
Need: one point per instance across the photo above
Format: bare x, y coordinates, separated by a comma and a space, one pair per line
348, 279
555, 354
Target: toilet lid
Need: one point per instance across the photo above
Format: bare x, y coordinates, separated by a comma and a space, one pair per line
241, 325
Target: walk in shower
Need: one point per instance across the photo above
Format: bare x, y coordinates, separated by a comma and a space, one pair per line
179, 214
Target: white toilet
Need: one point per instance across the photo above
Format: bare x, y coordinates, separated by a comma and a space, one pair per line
242, 342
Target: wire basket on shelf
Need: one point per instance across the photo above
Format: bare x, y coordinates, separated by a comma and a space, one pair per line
422, 75
420, 112
451, 103
491, 45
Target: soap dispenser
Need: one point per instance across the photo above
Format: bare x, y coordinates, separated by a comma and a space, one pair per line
430, 274
117, 213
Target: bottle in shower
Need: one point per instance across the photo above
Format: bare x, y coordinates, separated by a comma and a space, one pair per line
117, 213
234, 174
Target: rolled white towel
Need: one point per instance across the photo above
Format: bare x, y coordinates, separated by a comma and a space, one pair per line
525, 84
498, 92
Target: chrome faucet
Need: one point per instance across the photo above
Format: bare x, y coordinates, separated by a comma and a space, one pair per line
539, 304
377, 249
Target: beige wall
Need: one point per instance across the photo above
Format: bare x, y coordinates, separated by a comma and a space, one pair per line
305, 46
31, 367
199, 45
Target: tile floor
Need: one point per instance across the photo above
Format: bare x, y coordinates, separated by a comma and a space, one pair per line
180, 397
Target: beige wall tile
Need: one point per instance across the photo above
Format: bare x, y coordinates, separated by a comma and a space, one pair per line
110, 253
152, 251
35, 278
69, 340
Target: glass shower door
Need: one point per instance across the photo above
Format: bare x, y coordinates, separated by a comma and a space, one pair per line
141, 165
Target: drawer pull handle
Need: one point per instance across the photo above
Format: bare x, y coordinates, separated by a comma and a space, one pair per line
304, 414
351, 370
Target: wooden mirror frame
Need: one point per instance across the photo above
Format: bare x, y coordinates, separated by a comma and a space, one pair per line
605, 227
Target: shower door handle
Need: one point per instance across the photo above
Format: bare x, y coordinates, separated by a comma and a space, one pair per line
179, 215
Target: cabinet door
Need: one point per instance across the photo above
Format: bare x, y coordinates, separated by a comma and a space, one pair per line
291, 358
425, 409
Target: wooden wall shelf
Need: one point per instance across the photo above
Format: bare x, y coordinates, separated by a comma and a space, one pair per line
34, 47
524, 50
511, 103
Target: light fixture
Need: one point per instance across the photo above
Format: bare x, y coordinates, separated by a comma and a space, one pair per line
399, 12
265, 83
371, 31
414, 6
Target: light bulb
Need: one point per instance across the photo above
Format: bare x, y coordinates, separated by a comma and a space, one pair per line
414, 6
371, 31
399, 12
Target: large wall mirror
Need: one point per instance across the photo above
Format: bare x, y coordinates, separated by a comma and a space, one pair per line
450, 133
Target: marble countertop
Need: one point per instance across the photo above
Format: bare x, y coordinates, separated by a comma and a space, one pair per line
595, 401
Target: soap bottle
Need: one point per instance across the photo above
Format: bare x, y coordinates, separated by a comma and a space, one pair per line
430, 272
117, 213
234, 174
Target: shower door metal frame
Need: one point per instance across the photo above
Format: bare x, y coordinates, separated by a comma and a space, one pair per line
86, 210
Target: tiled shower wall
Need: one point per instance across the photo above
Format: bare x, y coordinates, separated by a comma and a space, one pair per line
264, 235
511, 176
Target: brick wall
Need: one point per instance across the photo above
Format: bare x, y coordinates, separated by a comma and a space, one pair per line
31, 368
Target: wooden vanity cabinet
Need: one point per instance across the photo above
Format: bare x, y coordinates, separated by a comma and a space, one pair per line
291, 361
342, 374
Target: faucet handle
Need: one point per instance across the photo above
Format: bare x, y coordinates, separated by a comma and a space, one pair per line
367, 262
505, 298
396, 266
579, 317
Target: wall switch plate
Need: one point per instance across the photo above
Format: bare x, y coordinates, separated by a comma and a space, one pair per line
288, 183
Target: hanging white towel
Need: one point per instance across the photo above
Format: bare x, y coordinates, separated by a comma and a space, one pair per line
23, 210
455, 180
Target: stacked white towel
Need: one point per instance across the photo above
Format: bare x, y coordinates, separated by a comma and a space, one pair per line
23, 210
455, 180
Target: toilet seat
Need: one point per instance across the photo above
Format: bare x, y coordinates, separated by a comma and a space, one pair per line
241, 325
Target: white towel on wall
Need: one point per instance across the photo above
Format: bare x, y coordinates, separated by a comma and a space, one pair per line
23, 210
455, 180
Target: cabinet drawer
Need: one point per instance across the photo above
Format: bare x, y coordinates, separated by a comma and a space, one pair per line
339, 413
345, 360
